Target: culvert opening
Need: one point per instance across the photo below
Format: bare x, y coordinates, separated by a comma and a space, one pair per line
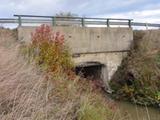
95, 72
91, 71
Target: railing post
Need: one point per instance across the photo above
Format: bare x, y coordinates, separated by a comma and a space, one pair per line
129, 23
146, 25
19, 21
83, 22
107, 22
53, 21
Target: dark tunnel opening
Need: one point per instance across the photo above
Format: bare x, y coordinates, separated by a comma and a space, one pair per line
95, 72
91, 71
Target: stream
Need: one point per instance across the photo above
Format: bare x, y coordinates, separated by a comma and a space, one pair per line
137, 112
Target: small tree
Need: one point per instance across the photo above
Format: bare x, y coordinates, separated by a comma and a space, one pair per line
66, 14
66, 21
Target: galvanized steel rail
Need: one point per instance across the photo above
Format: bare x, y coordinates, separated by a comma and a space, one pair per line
79, 21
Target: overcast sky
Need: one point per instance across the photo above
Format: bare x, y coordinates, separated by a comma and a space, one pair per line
139, 10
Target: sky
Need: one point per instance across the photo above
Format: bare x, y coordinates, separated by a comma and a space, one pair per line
139, 10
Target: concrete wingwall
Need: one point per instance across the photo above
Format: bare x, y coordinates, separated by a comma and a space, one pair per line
107, 46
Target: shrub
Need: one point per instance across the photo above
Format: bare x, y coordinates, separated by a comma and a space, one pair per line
49, 50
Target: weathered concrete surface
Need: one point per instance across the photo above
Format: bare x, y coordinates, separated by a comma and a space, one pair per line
89, 40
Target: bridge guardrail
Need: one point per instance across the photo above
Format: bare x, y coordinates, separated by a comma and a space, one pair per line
78, 21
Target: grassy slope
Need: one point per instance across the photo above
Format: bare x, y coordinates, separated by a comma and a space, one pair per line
138, 78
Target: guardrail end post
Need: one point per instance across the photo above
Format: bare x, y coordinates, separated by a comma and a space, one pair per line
107, 22
129, 23
83, 22
146, 25
19, 21
53, 21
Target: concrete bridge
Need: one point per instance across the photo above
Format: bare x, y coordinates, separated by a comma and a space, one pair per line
97, 47
99, 51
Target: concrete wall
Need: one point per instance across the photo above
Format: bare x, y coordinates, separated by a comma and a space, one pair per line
89, 40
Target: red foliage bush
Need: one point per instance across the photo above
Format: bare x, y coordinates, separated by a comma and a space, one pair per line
50, 50
44, 34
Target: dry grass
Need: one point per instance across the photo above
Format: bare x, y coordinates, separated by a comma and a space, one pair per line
24, 91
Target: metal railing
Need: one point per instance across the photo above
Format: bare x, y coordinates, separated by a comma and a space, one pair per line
80, 21
77, 21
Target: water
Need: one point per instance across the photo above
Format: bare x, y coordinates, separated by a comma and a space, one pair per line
138, 112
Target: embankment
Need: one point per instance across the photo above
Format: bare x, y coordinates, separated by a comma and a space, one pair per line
138, 77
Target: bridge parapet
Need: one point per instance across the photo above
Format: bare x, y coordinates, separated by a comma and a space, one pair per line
89, 40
